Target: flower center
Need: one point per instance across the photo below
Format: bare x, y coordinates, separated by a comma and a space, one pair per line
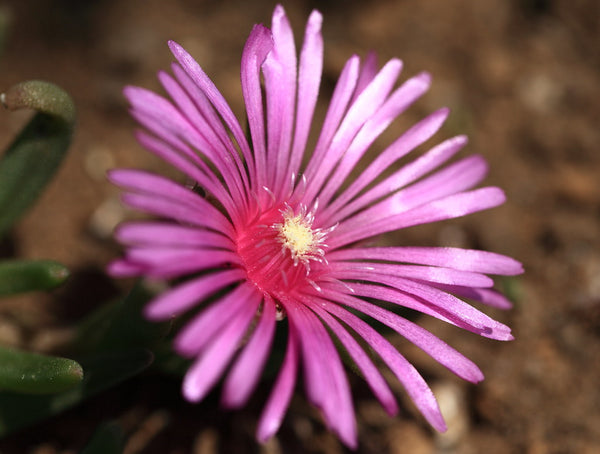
282, 252
298, 237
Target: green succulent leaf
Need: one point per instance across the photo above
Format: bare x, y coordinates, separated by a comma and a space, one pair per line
31, 373
102, 371
32, 159
18, 276
108, 439
121, 323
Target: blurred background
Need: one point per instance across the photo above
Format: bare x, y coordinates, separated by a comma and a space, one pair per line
522, 78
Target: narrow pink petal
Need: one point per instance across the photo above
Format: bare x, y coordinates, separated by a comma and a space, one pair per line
459, 259
213, 120
457, 177
121, 268
207, 370
337, 108
368, 71
453, 206
439, 275
370, 373
309, 79
394, 296
397, 103
415, 136
430, 344
167, 122
198, 332
257, 47
369, 101
170, 209
162, 189
326, 382
169, 263
442, 302
281, 393
195, 72
216, 151
185, 296
279, 70
405, 372
169, 234
197, 171
489, 297
246, 371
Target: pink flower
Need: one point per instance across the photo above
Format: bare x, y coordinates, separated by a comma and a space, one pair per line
280, 234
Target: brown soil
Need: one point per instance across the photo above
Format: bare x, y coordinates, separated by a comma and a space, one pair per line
523, 80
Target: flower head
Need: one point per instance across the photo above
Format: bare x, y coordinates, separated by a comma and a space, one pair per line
280, 233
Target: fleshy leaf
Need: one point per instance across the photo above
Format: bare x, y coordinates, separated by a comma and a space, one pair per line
102, 371
31, 373
120, 323
32, 159
107, 439
17, 276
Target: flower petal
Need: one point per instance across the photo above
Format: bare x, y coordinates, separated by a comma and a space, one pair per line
185, 296
309, 79
456, 258
430, 344
405, 372
205, 372
281, 393
245, 373
370, 373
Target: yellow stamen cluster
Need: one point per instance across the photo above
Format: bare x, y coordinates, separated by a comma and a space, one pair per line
297, 236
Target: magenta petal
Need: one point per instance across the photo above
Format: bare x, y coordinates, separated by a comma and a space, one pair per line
209, 89
125, 268
447, 305
436, 348
168, 262
279, 70
309, 79
368, 71
205, 372
398, 102
416, 387
337, 108
405, 175
205, 139
448, 276
449, 207
458, 259
187, 295
169, 234
279, 400
373, 377
326, 382
204, 326
359, 112
245, 373
258, 45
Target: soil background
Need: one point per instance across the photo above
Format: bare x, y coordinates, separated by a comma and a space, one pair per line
522, 78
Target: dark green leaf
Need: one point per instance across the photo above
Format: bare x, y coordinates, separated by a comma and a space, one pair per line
18, 276
108, 439
35, 155
121, 323
32, 373
101, 372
